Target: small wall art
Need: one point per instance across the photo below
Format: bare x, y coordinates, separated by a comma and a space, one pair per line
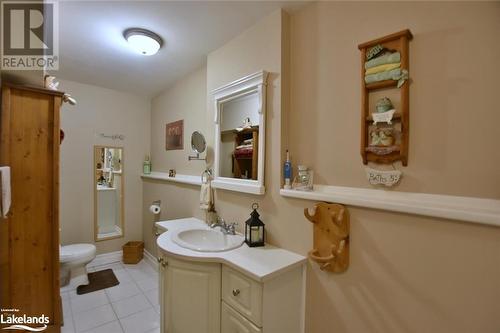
383, 177
174, 135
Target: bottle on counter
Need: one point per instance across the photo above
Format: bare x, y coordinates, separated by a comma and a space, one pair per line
146, 167
288, 171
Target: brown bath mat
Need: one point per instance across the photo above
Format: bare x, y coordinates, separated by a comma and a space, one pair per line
97, 281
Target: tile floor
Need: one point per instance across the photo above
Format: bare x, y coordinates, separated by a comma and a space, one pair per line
130, 307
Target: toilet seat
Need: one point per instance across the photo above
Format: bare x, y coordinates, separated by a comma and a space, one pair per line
76, 252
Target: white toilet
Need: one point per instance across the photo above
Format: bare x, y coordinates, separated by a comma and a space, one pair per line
73, 259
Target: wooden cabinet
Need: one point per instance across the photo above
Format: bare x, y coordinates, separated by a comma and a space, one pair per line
190, 298
213, 298
29, 241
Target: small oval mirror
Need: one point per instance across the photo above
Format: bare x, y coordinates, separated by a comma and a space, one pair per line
198, 143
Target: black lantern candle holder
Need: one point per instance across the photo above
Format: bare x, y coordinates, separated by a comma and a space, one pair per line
255, 232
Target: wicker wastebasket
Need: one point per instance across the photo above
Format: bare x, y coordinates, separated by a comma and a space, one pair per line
133, 252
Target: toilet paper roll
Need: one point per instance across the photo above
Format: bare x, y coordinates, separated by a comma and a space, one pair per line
155, 209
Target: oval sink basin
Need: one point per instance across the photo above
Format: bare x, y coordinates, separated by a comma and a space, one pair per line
206, 240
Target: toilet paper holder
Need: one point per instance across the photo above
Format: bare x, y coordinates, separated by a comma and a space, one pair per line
153, 204
155, 207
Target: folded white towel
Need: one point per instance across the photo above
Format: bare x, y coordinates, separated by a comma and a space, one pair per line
206, 195
6, 191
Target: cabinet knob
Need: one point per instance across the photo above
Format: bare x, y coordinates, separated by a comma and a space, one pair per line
236, 292
160, 259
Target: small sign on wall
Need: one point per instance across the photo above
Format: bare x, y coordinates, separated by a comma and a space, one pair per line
174, 135
382, 177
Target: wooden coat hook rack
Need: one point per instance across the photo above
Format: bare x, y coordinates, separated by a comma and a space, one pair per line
331, 236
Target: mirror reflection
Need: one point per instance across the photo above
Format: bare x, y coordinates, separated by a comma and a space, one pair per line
108, 192
239, 121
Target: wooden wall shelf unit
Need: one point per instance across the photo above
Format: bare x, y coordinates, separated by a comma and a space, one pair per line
395, 42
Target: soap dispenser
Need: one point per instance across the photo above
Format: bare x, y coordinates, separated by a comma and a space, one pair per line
146, 165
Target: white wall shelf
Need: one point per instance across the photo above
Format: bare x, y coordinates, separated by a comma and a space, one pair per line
184, 179
467, 209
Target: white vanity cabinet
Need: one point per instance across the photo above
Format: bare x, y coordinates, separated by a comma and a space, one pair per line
211, 298
190, 296
243, 290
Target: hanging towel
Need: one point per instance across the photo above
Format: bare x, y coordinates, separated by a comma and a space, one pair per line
382, 68
388, 58
6, 191
206, 195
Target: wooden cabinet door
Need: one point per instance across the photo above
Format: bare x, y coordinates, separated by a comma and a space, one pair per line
30, 146
191, 297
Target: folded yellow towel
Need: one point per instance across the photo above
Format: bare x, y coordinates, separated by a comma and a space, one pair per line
382, 68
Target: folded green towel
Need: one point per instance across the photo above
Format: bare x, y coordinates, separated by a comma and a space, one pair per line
389, 58
398, 74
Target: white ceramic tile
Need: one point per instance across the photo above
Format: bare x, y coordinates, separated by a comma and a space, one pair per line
152, 296
95, 317
131, 305
121, 291
88, 301
69, 289
68, 326
141, 322
122, 275
113, 266
148, 284
112, 327
141, 263
142, 272
157, 308
156, 330
64, 295
66, 307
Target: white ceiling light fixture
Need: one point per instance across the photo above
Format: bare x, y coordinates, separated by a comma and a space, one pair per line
143, 41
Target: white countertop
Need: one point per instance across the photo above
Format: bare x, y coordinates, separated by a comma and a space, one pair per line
260, 263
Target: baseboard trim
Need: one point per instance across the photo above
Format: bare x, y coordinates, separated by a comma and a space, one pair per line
106, 259
112, 257
151, 259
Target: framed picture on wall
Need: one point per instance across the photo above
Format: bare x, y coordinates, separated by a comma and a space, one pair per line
174, 135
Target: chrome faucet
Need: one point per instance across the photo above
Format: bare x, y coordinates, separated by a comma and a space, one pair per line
228, 229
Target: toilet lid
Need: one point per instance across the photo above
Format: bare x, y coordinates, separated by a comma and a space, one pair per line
76, 251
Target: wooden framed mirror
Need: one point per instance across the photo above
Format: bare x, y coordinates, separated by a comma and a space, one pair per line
240, 130
108, 193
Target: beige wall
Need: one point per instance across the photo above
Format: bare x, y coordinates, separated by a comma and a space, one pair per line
454, 69
407, 273
184, 101
107, 111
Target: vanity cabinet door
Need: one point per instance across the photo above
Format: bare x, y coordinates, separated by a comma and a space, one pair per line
243, 294
233, 322
191, 297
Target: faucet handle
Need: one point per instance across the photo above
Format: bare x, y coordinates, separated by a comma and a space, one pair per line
232, 227
221, 221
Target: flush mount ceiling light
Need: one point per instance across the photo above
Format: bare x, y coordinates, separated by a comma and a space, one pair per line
143, 41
